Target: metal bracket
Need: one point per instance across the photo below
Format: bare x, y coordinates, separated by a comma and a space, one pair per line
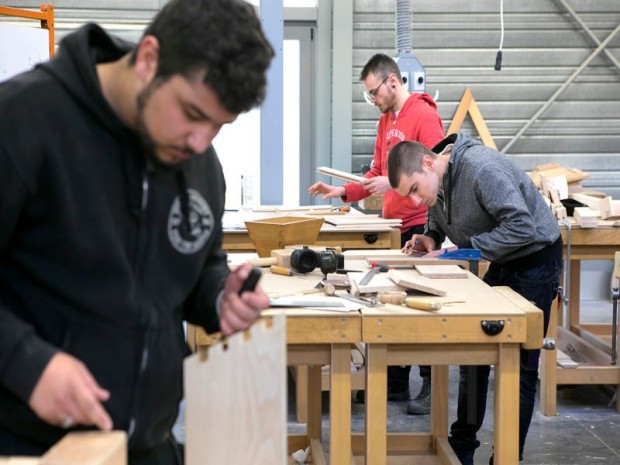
492, 327
371, 238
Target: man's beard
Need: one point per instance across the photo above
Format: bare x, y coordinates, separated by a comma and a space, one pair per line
147, 141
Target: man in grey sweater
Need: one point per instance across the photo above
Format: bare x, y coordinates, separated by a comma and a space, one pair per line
479, 198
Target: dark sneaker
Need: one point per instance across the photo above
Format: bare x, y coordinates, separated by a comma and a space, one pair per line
421, 405
466, 458
360, 396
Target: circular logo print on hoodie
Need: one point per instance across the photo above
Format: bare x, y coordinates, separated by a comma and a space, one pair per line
189, 235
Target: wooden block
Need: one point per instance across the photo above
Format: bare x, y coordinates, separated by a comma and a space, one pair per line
544, 185
559, 212
19, 461
609, 209
88, 448
338, 280
565, 361
586, 217
283, 257
279, 257
412, 280
589, 200
442, 271
559, 185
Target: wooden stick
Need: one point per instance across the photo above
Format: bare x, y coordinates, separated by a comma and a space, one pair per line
339, 174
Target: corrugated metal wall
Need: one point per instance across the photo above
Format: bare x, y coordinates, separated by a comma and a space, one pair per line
457, 40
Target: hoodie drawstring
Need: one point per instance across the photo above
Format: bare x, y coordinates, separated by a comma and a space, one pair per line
184, 197
449, 193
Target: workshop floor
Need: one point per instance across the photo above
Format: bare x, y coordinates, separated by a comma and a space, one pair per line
585, 431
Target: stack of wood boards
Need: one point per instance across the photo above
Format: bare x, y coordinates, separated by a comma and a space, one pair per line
599, 209
551, 170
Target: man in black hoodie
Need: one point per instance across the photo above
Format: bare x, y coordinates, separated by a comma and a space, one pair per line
111, 203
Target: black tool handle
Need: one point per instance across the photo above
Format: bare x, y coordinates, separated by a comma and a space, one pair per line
250, 282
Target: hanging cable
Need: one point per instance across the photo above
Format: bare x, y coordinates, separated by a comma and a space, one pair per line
498, 58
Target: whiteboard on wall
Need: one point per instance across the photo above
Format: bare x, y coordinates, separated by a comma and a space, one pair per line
22, 48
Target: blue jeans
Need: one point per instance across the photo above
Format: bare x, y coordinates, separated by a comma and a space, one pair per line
540, 286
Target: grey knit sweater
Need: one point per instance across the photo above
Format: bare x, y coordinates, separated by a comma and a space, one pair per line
491, 204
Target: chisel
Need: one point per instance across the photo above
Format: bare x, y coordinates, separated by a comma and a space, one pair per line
418, 304
281, 270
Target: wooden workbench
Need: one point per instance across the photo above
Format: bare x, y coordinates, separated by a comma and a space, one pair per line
395, 336
452, 335
590, 343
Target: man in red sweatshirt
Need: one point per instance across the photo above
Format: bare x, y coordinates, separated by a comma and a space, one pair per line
405, 116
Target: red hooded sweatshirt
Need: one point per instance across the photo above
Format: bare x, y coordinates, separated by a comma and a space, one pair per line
417, 120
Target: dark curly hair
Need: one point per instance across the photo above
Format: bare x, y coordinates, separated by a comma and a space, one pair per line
223, 39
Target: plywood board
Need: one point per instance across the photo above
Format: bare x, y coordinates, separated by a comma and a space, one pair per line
301, 208
236, 399
412, 280
441, 271
349, 220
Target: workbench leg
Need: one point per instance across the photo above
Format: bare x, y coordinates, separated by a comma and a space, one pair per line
376, 404
506, 420
301, 393
548, 368
395, 238
314, 402
440, 380
574, 295
340, 405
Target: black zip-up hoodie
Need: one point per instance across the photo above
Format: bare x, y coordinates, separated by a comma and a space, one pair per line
101, 256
